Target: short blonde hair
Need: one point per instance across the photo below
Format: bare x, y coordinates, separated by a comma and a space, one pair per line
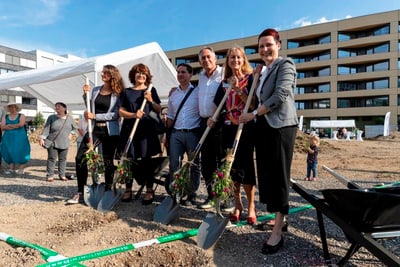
314, 137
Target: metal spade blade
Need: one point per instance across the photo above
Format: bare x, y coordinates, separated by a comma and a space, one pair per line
92, 194
109, 199
166, 211
211, 229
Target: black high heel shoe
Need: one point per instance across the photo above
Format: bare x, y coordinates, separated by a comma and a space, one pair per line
269, 249
149, 200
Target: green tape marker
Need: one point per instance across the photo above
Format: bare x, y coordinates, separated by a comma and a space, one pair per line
47, 254
159, 240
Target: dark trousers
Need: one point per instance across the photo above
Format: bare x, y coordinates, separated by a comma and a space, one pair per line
108, 147
211, 153
274, 153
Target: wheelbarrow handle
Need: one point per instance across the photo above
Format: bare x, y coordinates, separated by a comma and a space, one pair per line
342, 179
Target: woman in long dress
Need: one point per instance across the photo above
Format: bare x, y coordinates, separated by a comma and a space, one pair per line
15, 147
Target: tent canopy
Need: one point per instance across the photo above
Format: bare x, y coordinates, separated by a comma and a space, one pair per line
63, 82
333, 124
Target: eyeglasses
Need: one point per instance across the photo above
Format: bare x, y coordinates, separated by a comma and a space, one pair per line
141, 73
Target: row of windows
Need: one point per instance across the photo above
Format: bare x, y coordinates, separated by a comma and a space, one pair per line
325, 55
380, 66
342, 36
363, 85
317, 88
13, 60
369, 50
350, 35
382, 83
352, 102
359, 102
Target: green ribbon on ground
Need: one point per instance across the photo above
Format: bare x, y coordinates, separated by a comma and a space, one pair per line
159, 240
47, 254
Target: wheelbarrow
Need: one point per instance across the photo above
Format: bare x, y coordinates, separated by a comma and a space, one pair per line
364, 215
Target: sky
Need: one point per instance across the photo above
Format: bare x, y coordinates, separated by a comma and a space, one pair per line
88, 28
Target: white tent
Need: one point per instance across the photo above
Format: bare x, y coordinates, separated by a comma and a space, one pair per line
63, 82
333, 124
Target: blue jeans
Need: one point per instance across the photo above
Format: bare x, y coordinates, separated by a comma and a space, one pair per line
311, 166
180, 143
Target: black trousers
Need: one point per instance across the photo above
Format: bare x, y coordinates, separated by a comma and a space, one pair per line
108, 147
274, 153
211, 153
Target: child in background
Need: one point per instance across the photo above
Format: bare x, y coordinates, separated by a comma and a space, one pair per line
312, 158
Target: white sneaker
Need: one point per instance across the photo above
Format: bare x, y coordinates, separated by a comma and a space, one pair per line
75, 199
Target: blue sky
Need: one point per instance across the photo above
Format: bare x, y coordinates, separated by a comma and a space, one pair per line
89, 28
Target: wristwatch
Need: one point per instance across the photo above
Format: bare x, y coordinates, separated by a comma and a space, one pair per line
255, 112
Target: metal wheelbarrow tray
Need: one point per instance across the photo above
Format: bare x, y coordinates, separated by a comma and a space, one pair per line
364, 215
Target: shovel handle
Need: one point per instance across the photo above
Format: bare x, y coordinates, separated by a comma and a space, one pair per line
135, 125
246, 108
214, 117
90, 129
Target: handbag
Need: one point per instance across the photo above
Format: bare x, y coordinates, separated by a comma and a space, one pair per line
157, 123
50, 143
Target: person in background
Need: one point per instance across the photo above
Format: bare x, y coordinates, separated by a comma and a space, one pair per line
2, 114
104, 105
81, 131
58, 130
15, 147
209, 80
238, 74
312, 158
185, 132
145, 142
276, 129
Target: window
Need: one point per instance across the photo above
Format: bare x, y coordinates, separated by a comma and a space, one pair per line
363, 85
313, 104
307, 42
251, 50
357, 102
380, 30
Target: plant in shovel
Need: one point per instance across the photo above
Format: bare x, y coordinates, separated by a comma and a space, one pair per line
95, 162
180, 186
123, 174
222, 185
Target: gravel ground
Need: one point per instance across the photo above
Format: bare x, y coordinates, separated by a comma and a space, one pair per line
34, 210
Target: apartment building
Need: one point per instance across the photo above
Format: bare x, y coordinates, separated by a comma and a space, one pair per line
12, 60
346, 69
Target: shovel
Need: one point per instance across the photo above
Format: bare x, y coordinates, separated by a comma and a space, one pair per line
168, 208
92, 193
213, 226
111, 197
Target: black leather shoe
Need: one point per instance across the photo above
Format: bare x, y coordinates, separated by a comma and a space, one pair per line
269, 249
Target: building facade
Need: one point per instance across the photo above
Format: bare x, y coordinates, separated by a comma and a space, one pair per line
12, 60
346, 69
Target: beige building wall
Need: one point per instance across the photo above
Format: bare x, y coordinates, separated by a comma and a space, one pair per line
374, 42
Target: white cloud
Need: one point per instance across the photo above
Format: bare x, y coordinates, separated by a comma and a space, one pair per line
305, 21
18, 13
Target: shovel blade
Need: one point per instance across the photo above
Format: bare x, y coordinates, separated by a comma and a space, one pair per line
210, 230
109, 199
166, 211
92, 194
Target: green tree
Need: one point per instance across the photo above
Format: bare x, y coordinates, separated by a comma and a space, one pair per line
39, 120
